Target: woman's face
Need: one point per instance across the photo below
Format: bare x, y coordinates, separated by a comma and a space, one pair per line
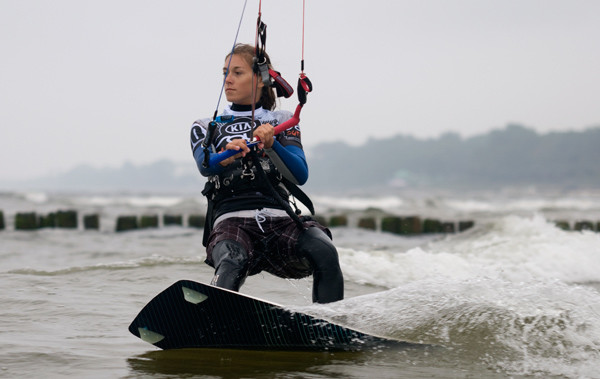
239, 81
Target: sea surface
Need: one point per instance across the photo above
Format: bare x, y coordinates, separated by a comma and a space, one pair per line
514, 296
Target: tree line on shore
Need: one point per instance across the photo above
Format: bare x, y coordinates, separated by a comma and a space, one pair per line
513, 156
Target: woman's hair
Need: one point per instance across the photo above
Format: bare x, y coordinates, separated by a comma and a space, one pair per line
247, 52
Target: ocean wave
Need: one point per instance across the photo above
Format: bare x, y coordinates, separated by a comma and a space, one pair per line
99, 200
145, 262
506, 293
512, 248
520, 328
359, 203
522, 204
140, 201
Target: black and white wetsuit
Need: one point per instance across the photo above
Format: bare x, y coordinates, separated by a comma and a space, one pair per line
248, 228
286, 152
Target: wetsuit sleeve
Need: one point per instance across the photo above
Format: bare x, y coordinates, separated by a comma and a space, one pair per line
196, 137
290, 161
206, 171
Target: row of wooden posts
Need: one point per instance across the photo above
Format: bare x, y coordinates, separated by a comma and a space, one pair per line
69, 219
411, 225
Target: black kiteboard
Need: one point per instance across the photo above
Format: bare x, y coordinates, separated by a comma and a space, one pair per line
195, 315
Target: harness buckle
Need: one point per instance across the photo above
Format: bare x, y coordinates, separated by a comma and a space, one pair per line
215, 181
247, 172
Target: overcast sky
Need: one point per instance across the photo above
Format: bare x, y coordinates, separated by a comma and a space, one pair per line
102, 82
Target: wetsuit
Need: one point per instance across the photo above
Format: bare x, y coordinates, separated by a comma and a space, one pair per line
250, 229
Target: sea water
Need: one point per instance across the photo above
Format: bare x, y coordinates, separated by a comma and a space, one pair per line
514, 296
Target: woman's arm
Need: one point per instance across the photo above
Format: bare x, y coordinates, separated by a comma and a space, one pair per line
206, 171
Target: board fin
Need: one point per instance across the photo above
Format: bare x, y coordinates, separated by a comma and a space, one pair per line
192, 296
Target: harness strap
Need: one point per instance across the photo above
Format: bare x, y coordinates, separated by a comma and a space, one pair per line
208, 191
299, 194
276, 195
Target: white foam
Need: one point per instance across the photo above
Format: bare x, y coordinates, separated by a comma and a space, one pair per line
359, 203
136, 201
526, 204
506, 293
513, 248
36, 197
522, 328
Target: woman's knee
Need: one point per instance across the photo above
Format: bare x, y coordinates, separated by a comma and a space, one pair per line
231, 265
231, 252
318, 248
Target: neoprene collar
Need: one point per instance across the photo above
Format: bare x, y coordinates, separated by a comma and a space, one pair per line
244, 108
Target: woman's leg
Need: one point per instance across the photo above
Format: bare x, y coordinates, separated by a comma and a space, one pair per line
328, 280
231, 265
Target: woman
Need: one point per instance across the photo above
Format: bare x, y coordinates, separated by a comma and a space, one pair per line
252, 227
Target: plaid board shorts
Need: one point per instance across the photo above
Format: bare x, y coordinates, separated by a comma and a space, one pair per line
271, 244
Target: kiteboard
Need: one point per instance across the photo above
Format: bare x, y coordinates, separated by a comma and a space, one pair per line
195, 315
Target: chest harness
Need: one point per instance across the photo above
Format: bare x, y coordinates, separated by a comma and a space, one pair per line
249, 183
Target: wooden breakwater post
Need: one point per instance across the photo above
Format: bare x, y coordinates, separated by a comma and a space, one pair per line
431, 226
410, 225
196, 221
562, 224
149, 221
60, 219
66, 219
578, 226
47, 221
91, 221
448, 227
172, 220
2, 224
464, 225
338, 220
391, 224
125, 223
26, 221
367, 223
583, 225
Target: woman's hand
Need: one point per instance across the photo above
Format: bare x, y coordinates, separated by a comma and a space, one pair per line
265, 133
238, 144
